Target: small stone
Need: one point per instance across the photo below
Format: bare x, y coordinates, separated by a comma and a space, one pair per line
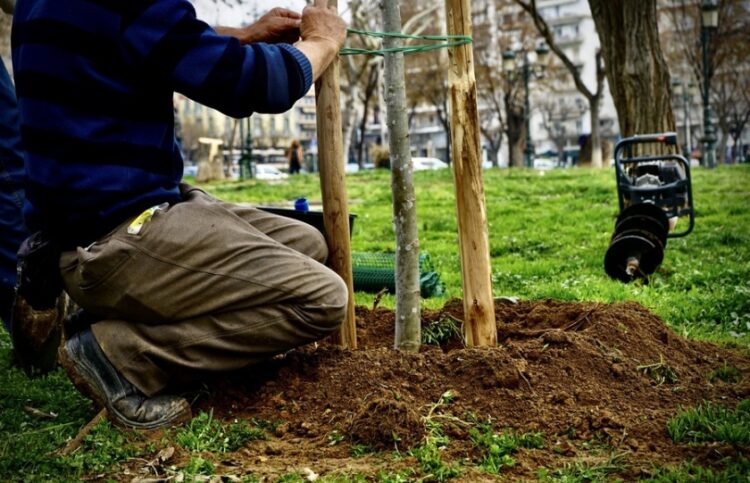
309, 474
504, 300
166, 454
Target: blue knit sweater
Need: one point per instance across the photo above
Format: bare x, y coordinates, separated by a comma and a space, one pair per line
95, 81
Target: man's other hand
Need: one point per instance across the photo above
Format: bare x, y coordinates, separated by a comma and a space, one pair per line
279, 25
322, 23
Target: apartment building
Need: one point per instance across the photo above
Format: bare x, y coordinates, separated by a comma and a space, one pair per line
265, 130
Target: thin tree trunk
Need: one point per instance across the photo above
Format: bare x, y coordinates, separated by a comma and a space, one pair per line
230, 161
595, 140
515, 152
408, 329
721, 148
362, 133
347, 118
637, 73
516, 136
494, 158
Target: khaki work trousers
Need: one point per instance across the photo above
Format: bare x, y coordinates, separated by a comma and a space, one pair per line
205, 286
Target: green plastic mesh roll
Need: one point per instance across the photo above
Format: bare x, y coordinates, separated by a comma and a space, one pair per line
374, 272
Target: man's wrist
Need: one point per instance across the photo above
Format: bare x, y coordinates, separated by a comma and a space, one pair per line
244, 35
320, 52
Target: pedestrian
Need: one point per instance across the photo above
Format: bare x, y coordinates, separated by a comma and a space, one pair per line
181, 284
294, 155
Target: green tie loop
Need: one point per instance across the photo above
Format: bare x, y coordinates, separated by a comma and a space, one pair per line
444, 42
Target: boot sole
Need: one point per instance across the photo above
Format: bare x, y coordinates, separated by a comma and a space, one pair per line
81, 376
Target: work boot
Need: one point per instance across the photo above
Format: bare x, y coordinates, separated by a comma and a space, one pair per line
93, 375
39, 306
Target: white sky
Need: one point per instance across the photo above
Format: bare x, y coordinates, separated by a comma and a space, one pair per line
218, 13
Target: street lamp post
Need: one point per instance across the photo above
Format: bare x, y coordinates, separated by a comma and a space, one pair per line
709, 23
684, 92
527, 72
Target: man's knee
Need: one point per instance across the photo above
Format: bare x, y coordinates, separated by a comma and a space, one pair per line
318, 250
330, 307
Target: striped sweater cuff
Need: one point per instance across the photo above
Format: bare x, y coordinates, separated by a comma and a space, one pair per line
304, 65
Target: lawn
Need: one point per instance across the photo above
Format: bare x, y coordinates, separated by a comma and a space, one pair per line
548, 235
549, 231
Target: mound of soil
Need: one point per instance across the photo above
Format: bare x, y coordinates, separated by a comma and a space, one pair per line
577, 372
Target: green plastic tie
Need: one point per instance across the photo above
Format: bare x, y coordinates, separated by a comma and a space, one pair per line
445, 42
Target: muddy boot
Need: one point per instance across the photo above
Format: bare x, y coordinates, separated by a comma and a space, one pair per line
39, 306
93, 375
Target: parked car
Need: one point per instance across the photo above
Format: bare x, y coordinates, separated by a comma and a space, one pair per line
190, 169
544, 163
354, 167
421, 164
267, 172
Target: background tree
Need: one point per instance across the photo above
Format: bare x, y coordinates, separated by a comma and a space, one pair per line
357, 73
429, 85
594, 97
557, 114
501, 94
636, 71
427, 79
730, 55
367, 94
492, 110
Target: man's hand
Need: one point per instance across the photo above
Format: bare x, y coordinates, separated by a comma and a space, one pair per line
322, 23
323, 34
277, 26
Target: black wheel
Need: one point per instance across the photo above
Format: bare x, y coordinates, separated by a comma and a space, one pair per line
643, 246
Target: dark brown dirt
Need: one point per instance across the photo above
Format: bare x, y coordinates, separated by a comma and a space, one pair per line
573, 371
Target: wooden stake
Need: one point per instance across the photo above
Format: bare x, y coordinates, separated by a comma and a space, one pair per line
479, 309
333, 188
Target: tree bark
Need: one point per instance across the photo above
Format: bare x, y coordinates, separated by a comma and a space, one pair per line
633, 62
369, 91
362, 133
514, 129
595, 139
348, 117
408, 327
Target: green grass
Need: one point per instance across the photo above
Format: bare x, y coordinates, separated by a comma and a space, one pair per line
429, 454
198, 466
548, 235
586, 471
711, 422
204, 433
441, 331
28, 443
497, 449
726, 373
733, 471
